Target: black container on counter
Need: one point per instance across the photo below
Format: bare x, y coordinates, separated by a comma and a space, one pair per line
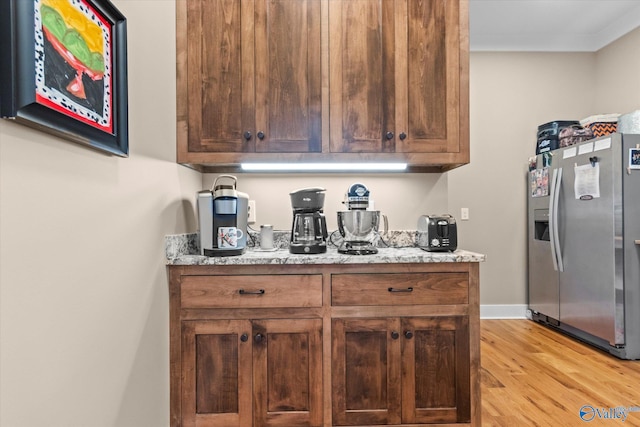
548, 137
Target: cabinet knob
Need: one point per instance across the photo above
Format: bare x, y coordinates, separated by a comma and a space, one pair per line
395, 335
247, 135
389, 135
260, 135
408, 335
403, 136
244, 337
258, 338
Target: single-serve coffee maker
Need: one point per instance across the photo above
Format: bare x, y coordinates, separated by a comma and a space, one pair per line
357, 225
222, 217
309, 229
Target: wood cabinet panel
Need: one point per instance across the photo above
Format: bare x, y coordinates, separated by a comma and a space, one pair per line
435, 368
243, 291
250, 75
288, 76
287, 377
400, 370
399, 289
370, 363
361, 80
429, 107
216, 374
366, 371
322, 81
219, 75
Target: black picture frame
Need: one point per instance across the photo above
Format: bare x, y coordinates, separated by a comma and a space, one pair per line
18, 72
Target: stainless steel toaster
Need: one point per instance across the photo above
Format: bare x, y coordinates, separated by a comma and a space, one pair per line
437, 233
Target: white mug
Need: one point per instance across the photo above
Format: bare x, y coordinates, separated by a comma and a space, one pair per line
228, 237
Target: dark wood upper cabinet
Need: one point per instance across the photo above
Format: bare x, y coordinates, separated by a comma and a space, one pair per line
362, 86
288, 82
431, 105
322, 80
251, 74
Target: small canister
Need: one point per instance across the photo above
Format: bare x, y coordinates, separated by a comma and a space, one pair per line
266, 236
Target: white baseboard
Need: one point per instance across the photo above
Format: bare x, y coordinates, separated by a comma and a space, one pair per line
503, 311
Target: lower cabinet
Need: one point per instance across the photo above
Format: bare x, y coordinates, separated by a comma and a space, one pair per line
400, 370
325, 345
252, 373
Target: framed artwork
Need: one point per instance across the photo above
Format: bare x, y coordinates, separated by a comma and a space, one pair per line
63, 70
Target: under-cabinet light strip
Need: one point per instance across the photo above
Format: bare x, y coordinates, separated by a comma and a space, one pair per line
346, 167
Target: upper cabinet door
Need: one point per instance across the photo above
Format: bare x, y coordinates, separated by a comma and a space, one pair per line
361, 64
428, 76
216, 86
322, 81
288, 76
395, 77
251, 77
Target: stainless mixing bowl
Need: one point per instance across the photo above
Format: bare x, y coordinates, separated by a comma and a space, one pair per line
358, 226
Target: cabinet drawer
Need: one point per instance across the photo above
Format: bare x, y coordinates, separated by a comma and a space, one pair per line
246, 291
400, 289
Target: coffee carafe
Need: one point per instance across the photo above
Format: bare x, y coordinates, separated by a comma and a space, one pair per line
309, 228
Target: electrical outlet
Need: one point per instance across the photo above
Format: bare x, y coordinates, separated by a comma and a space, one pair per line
252, 212
464, 214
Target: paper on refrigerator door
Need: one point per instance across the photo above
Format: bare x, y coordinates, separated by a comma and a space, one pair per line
587, 181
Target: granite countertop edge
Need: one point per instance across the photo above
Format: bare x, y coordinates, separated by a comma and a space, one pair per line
183, 250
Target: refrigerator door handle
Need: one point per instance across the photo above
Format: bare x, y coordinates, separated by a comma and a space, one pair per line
552, 220
556, 208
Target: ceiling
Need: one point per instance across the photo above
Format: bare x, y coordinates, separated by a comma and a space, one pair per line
549, 25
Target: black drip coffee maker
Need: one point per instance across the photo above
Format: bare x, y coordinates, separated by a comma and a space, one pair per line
309, 229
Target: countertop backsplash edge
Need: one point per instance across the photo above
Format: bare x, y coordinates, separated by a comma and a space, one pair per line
184, 249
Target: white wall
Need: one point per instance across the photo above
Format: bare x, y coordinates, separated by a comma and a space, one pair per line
618, 76
402, 197
83, 288
511, 94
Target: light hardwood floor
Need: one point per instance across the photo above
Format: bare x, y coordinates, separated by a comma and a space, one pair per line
534, 376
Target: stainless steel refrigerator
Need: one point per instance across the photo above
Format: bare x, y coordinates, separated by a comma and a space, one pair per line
584, 242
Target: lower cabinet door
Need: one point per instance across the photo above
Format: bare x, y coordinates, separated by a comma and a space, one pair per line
216, 373
435, 370
287, 372
366, 387
400, 371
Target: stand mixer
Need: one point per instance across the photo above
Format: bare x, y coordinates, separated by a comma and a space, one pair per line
358, 226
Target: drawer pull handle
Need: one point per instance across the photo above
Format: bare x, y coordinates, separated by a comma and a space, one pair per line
408, 335
258, 338
244, 337
395, 335
258, 292
400, 290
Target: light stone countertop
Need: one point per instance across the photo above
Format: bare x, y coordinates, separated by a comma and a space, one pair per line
282, 256
181, 250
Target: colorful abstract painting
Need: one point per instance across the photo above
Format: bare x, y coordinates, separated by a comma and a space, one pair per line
73, 61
